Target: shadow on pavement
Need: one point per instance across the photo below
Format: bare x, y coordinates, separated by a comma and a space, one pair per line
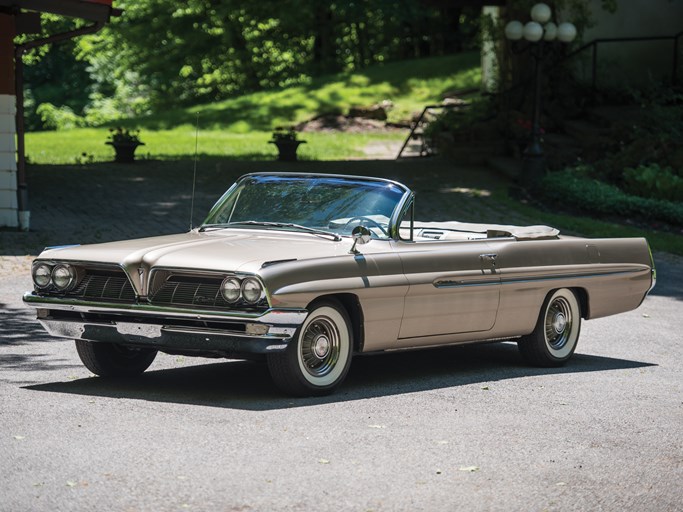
18, 326
247, 385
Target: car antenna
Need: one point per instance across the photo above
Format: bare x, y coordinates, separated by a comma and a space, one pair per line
194, 174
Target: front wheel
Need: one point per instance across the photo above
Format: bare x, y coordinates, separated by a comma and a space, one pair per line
554, 339
112, 360
318, 358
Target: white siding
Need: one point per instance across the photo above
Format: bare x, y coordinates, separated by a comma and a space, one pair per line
8, 162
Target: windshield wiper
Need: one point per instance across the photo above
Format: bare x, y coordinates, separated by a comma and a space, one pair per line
205, 227
319, 232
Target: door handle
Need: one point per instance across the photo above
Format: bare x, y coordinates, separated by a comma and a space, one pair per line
488, 257
488, 260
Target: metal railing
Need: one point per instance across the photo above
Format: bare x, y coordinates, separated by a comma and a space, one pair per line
421, 121
596, 42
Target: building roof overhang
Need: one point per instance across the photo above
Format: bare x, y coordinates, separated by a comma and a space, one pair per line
91, 10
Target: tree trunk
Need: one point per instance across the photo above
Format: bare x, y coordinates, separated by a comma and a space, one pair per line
324, 59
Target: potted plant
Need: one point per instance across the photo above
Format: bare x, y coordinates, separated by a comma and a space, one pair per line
125, 142
286, 141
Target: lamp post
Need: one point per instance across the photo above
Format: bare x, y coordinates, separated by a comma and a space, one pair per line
538, 32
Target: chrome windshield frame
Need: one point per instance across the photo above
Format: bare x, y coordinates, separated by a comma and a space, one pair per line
394, 220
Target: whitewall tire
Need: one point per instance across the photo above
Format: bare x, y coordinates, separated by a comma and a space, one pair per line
556, 334
318, 358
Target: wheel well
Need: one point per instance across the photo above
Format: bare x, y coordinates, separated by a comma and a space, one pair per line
352, 306
582, 295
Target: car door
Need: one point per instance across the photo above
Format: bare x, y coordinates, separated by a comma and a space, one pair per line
454, 287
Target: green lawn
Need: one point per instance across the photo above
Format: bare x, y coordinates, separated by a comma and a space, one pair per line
88, 144
239, 128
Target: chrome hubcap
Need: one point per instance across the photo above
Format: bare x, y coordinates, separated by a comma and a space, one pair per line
558, 323
320, 346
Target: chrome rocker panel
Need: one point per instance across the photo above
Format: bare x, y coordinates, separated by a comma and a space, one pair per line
167, 329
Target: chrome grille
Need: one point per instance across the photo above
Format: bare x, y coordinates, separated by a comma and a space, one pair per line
104, 284
184, 292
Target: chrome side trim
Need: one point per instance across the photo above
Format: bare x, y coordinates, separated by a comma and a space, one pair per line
530, 279
464, 284
533, 279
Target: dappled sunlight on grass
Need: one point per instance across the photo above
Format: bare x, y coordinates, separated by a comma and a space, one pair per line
408, 84
88, 145
239, 128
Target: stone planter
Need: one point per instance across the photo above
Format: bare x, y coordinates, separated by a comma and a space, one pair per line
287, 149
125, 151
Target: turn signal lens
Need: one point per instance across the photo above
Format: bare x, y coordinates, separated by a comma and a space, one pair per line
230, 289
41, 275
63, 277
251, 290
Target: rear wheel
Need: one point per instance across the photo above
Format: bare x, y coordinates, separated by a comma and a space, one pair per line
318, 358
554, 339
113, 360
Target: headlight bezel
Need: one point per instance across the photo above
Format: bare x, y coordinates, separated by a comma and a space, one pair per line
72, 275
238, 283
235, 281
34, 271
245, 283
43, 276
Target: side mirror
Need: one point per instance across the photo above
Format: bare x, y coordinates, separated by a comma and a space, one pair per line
361, 235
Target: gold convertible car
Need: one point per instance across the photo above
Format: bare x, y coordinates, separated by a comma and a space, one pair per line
308, 270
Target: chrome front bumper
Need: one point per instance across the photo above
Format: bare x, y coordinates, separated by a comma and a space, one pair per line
168, 329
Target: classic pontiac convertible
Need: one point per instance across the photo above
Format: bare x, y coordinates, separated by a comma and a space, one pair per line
307, 270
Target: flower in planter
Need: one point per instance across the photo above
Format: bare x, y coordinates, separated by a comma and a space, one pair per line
125, 142
282, 134
123, 136
287, 142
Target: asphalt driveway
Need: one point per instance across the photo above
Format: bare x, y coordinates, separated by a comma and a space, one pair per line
462, 428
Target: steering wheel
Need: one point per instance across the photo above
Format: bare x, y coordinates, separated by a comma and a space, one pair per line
368, 220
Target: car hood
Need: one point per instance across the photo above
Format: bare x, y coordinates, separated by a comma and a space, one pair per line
223, 250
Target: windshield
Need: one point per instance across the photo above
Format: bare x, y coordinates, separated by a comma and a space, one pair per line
322, 203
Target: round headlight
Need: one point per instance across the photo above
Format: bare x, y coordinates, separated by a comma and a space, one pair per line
63, 277
251, 290
230, 289
41, 275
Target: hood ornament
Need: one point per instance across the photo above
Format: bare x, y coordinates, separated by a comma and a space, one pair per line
141, 273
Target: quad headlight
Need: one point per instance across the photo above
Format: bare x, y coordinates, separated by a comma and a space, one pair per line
250, 290
230, 289
42, 275
61, 277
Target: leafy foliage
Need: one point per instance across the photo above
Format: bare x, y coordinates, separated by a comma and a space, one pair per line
573, 188
122, 135
653, 181
162, 53
282, 133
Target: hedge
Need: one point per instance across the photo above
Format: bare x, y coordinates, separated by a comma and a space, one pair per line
597, 197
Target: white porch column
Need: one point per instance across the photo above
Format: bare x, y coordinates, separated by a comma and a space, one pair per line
8, 162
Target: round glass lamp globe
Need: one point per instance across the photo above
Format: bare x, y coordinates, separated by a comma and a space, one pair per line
541, 13
566, 32
514, 30
549, 31
533, 31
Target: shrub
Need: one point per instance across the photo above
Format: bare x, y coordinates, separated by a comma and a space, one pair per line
653, 181
61, 118
575, 189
